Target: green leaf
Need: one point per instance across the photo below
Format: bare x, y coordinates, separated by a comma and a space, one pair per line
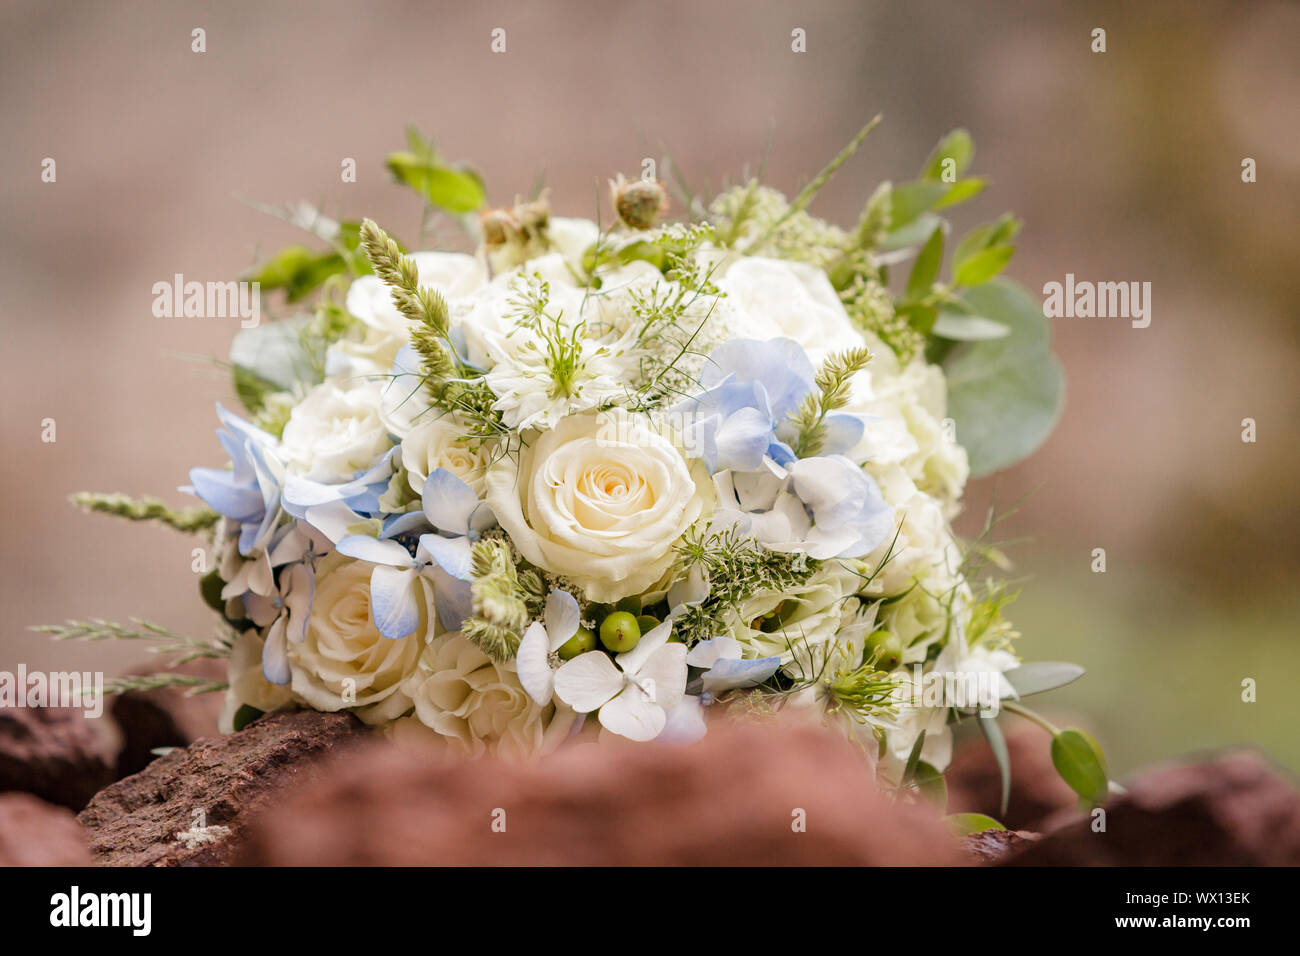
599, 254
963, 327
912, 234
1078, 759
957, 146
962, 191
931, 785
1039, 676
998, 744
251, 388
964, 824
911, 199
273, 354
457, 191
920, 317
983, 265
298, 270
1004, 394
926, 268
245, 715
913, 758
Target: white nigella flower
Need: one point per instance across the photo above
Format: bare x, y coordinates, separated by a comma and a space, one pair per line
635, 697
539, 379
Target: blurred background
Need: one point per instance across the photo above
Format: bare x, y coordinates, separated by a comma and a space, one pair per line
1125, 166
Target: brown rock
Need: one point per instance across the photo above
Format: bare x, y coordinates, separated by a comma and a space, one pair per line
36, 833
170, 717
1037, 790
731, 799
993, 846
56, 753
1236, 810
215, 783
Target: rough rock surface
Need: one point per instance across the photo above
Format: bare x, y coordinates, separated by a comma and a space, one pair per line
1037, 790
1235, 810
165, 718
36, 833
993, 846
736, 797
216, 782
56, 753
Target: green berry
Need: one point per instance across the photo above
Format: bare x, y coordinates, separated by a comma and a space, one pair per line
580, 643
210, 586
646, 622
886, 649
619, 632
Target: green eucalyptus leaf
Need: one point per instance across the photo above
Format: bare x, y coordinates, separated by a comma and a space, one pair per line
962, 327
273, 354
998, 744
1078, 759
1004, 394
1036, 677
964, 824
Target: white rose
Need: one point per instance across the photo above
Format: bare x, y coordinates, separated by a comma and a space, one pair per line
923, 549
600, 499
441, 443
344, 662
905, 427
248, 685
334, 432
477, 705
805, 625
791, 299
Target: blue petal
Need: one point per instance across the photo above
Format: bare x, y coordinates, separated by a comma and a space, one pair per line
275, 657
843, 431
743, 439
453, 600
729, 674
392, 602
451, 554
405, 524
780, 365
366, 548
448, 502
217, 488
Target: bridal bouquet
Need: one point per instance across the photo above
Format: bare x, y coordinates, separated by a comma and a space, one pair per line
621, 478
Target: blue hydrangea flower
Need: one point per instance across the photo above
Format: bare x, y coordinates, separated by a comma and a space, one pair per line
751, 387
